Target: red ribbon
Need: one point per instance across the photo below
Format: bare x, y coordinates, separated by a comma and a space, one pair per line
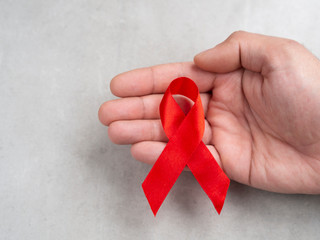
185, 147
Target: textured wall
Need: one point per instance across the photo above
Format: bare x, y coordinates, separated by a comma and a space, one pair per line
60, 176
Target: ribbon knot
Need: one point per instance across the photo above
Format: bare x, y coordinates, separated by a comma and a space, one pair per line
185, 148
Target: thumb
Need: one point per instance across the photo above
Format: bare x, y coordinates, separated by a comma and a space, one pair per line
240, 50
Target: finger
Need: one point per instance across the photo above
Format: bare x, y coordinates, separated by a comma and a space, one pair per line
130, 108
148, 152
146, 107
130, 132
156, 79
254, 52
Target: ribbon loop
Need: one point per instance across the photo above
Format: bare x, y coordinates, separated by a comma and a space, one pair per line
185, 147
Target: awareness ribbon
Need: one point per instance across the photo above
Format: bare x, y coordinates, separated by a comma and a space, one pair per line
185, 147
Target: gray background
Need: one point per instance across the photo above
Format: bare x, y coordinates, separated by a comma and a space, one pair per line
60, 176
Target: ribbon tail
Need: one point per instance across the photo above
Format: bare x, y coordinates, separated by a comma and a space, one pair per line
163, 175
210, 176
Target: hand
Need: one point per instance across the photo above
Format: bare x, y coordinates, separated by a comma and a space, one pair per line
261, 97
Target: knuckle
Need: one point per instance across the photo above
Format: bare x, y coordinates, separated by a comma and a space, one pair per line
237, 34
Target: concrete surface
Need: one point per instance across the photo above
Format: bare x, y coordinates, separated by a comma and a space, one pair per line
60, 176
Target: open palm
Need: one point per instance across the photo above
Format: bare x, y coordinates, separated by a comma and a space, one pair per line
262, 104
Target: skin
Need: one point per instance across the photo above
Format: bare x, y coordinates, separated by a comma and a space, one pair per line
261, 97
